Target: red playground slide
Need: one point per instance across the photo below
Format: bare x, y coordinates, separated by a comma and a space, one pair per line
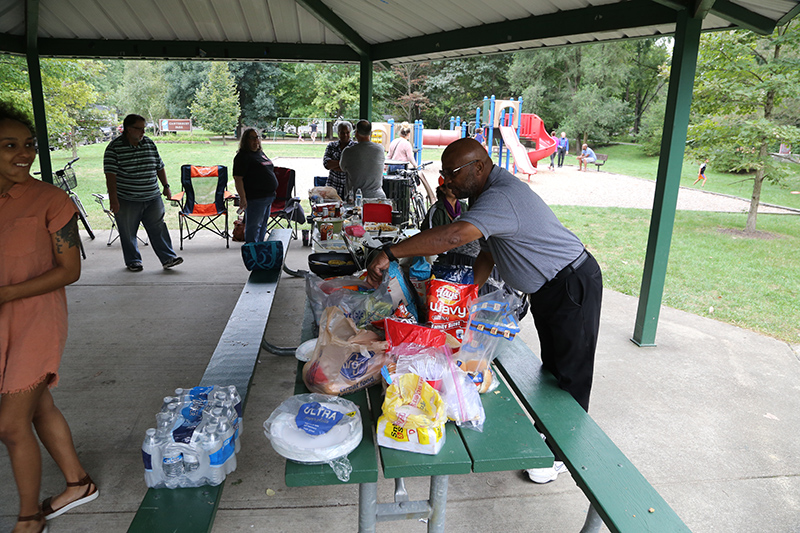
532, 127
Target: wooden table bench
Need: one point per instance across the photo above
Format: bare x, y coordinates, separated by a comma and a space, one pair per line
192, 510
600, 161
618, 494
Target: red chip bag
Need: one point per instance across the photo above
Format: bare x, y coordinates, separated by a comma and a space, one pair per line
448, 305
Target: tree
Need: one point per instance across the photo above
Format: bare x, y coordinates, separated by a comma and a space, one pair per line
456, 87
144, 90
183, 79
216, 103
257, 83
741, 78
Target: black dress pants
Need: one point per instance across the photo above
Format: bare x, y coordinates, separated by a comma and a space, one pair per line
561, 153
566, 312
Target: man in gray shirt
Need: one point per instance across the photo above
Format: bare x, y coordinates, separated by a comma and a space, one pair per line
364, 163
534, 253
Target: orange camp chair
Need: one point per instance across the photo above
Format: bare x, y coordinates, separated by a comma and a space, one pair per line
286, 208
203, 201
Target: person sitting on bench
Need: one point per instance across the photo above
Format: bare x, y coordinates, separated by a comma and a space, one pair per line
587, 156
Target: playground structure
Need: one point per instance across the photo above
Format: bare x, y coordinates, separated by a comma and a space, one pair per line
503, 120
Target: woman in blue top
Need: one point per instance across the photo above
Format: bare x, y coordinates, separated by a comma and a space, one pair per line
587, 156
254, 176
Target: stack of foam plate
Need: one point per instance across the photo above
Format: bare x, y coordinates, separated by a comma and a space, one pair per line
314, 428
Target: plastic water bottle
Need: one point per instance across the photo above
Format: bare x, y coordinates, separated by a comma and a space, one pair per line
151, 456
212, 446
359, 198
191, 463
172, 464
226, 435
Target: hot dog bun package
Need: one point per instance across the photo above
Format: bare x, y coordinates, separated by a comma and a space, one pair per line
448, 306
316, 429
413, 417
345, 358
492, 320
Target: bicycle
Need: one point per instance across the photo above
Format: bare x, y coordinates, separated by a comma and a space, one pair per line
65, 180
419, 204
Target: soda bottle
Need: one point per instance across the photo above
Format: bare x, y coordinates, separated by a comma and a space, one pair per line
359, 198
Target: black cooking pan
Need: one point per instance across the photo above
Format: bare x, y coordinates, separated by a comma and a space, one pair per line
320, 264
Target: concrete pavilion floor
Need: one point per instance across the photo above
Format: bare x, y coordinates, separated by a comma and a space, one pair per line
710, 416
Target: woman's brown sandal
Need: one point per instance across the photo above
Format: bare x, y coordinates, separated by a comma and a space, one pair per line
38, 516
89, 495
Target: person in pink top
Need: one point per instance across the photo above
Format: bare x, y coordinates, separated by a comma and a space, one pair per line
39, 256
400, 149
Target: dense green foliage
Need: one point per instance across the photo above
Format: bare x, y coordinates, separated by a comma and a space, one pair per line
216, 103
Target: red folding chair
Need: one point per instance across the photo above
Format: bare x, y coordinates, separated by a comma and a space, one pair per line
286, 208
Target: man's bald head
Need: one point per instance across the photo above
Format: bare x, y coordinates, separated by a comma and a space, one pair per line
465, 149
465, 167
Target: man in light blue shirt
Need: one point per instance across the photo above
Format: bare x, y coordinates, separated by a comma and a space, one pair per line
587, 156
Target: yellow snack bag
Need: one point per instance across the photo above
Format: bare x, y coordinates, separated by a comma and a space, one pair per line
413, 416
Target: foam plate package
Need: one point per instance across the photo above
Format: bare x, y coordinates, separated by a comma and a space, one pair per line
304, 351
314, 428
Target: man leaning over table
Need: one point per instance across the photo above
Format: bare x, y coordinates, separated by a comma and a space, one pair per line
534, 253
133, 169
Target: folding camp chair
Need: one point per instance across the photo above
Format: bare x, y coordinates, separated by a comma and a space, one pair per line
113, 235
286, 208
203, 201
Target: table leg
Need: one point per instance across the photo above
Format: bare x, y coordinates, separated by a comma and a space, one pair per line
367, 507
593, 521
438, 501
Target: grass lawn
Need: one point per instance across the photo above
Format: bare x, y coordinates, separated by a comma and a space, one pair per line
749, 282
631, 161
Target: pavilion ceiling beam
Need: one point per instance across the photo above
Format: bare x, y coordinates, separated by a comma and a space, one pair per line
789, 16
742, 17
610, 17
333, 22
196, 50
700, 8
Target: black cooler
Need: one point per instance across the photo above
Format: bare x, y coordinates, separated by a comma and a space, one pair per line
398, 189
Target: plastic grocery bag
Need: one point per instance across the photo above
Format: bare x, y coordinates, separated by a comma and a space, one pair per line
345, 358
492, 320
464, 405
316, 429
413, 416
352, 295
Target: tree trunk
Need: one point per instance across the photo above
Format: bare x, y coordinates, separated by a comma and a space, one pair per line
755, 200
73, 142
223, 139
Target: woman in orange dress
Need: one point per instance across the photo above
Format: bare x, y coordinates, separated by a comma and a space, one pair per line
39, 256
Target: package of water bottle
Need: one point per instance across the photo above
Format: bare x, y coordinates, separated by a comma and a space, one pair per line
196, 438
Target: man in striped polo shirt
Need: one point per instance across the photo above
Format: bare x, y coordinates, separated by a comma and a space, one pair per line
133, 169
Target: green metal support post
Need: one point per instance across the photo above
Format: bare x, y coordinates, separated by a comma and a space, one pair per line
365, 102
37, 92
673, 143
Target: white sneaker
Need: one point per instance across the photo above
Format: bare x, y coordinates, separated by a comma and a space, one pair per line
546, 475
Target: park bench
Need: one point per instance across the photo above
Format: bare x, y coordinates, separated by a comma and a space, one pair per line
619, 495
192, 510
601, 160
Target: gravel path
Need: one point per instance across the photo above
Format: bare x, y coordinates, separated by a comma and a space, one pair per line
568, 186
